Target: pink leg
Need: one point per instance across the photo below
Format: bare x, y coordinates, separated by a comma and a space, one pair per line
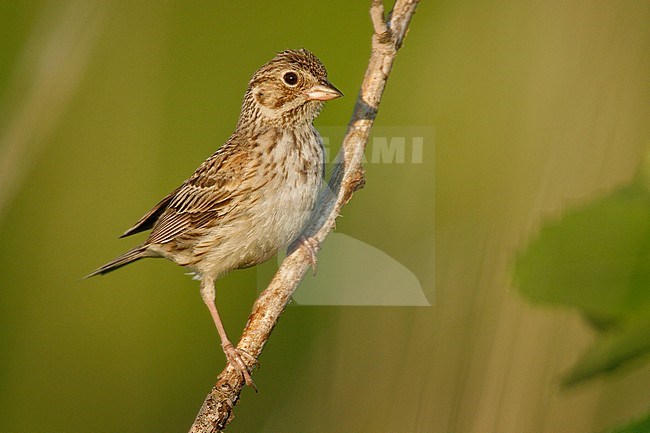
233, 355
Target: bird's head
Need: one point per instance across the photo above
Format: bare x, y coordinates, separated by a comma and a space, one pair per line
288, 90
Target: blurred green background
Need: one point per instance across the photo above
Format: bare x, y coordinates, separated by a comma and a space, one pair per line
105, 106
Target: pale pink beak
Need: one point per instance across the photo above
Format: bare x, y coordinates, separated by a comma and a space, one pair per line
323, 92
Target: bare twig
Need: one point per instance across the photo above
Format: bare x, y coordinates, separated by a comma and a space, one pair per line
377, 17
347, 177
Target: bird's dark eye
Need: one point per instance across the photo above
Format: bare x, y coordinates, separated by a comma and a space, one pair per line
291, 78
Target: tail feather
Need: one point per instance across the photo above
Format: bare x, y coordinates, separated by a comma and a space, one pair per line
136, 253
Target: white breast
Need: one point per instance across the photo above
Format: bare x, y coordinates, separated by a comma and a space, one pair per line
276, 212
292, 191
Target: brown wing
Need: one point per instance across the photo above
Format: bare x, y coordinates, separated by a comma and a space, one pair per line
147, 221
216, 187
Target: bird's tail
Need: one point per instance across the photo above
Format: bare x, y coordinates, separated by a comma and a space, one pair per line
126, 258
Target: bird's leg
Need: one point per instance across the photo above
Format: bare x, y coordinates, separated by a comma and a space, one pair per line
233, 354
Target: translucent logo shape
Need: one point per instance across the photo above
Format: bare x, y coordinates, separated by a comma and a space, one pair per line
351, 272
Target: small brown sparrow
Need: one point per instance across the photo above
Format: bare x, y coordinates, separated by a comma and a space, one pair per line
254, 195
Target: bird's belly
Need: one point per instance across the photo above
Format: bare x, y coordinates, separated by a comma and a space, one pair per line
276, 213
271, 226
285, 214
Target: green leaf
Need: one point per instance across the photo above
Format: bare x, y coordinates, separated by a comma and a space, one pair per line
597, 259
641, 426
614, 348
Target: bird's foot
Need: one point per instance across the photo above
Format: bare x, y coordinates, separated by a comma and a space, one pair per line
235, 358
309, 245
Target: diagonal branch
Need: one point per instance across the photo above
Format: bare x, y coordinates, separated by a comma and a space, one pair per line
347, 177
